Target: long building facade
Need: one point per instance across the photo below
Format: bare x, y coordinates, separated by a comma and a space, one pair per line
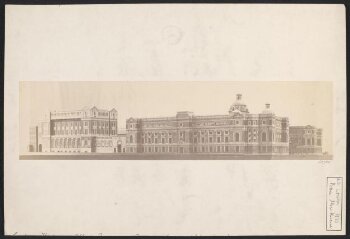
238, 132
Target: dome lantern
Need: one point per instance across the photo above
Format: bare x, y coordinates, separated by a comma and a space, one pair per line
238, 106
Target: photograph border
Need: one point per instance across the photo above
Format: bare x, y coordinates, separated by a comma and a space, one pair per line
55, 2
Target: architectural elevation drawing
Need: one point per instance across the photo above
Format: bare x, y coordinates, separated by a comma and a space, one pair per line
238, 132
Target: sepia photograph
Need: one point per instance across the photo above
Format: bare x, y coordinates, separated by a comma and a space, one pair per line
175, 120
144, 120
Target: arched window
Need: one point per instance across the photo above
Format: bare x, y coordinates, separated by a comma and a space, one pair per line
236, 137
263, 136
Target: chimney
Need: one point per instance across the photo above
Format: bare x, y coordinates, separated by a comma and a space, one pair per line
239, 96
267, 105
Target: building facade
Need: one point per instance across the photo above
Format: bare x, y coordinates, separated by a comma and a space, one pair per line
238, 132
93, 130
305, 140
88, 130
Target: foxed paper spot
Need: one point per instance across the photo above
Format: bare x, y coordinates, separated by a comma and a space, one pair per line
172, 35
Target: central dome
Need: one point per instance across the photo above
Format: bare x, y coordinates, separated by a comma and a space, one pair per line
238, 105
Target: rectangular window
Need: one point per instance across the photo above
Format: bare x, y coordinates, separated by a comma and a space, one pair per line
170, 140
210, 139
218, 149
218, 139
226, 139
226, 148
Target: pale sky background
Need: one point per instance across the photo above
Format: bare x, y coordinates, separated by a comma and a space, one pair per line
303, 102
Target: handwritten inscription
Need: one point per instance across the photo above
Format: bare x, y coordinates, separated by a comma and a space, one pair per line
334, 203
46, 234
323, 162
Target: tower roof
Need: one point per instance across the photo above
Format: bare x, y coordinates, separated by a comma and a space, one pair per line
267, 109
